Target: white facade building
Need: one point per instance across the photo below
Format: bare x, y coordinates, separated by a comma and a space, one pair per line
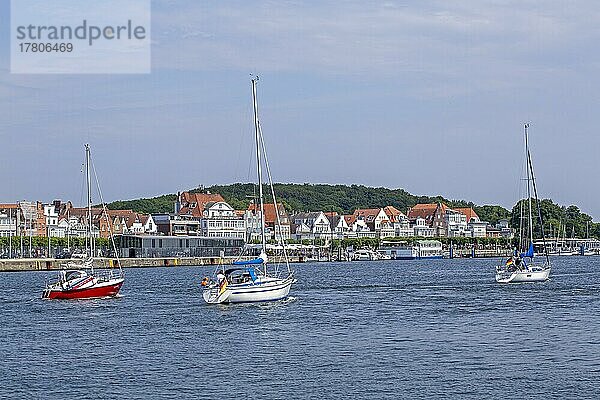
311, 225
456, 223
219, 219
422, 229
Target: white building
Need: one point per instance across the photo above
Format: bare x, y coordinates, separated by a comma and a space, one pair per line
422, 229
338, 225
219, 219
10, 217
311, 225
478, 228
51, 215
456, 223
505, 230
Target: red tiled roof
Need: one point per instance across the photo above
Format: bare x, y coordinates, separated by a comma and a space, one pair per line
425, 211
200, 200
350, 219
9, 206
393, 213
270, 216
367, 212
422, 210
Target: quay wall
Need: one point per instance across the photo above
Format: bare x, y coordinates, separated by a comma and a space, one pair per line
45, 264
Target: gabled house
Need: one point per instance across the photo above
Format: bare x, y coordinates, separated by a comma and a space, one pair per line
191, 205
271, 226
33, 220
358, 227
315, 222
434, 215
470, 214
338, 225
399, 221
150, 227
475, 225
219, 219
373, 217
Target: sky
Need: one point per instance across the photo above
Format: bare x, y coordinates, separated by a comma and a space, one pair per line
428, 96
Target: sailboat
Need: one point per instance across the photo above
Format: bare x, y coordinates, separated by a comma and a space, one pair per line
80, 279
252, 280
522, 267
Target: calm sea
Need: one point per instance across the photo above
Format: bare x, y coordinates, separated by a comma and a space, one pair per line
379, 330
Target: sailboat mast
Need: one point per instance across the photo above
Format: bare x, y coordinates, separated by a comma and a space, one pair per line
537, 201
528, 182
89, 197
258, 168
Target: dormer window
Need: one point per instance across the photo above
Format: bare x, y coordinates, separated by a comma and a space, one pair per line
193, 205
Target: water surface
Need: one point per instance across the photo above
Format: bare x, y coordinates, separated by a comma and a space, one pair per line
382, 330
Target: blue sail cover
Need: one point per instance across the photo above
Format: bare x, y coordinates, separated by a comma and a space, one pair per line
529, 252
256, 261
252, 274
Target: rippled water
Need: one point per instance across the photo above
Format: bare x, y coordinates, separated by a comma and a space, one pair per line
394, 329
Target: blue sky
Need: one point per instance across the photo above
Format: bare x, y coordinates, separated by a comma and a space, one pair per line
429, 96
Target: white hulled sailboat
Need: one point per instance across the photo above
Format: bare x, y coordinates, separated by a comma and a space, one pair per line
522, 267
253, 281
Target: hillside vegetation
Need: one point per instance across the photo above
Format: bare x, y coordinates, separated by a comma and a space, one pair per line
346, 198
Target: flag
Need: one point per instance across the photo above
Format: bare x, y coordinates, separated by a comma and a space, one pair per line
509, 262
222, 286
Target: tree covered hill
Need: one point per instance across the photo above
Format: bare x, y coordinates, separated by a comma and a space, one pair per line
311, 197
346, 198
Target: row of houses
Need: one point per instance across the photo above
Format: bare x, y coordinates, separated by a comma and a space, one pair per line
209, 215
422, 220
61, 219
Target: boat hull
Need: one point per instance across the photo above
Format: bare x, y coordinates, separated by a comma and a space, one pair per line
524, 276
108, 288
271, 290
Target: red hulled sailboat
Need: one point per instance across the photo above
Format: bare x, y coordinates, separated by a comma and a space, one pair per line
80, 280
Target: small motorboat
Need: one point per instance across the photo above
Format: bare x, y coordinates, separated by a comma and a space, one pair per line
365, 255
